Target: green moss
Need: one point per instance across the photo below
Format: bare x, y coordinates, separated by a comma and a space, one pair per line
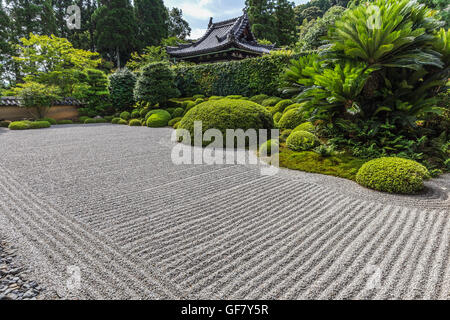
178, 112
393, 175
342, 165
270, 102
259, 98
306, 126
291, 119
100, 120
302, 141
227, 114
280, 106
236, 96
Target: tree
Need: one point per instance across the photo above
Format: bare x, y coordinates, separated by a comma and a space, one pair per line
443, 6
152, 18
285, 22
121, 85
53, 61
178, 27
311, 13
115, 30
262, 20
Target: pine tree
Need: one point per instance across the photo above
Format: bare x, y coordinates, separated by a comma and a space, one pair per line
115, 30
262, 20
178, 27
285, 22
5, 48
152, 18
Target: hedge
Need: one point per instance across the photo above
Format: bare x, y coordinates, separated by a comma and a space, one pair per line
246, 77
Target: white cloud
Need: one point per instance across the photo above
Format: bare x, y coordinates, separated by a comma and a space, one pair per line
196, 10
197, 33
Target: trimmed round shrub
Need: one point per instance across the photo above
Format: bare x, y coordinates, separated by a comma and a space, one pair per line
269, 147
122, 121
277, 116
158, 119
306, 126
100, 120
227, 114
259, 98
302, 141
90, 120
50, 120
188, 105
108, 118
393, 175
198, 96
121, 86
135, 123
125, 115
270, 102
5, 123
135, 114
285, 134
156, 84
198, 101
40, 124
174, 120
152, 112
178, 112
170, 110
115, 120
293, 106
65, 122
83, 119
291, 119
19, 125
143, 112
280, 106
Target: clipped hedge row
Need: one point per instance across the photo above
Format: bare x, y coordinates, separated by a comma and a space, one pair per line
247, 77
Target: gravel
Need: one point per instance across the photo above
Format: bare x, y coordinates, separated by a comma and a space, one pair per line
107, 202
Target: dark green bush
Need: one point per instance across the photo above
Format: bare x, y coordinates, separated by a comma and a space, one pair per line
82, 119
125, 115
25, 125
65, 122
122, 121
270, 102
245, 77
293, 106
227, 114
306, 126
100, 120
158, 119
174, 120
89, 121
178, 112
5, 123
135, 123
135, 114
115, 120
156, 84
40, 124
50, 120
302, 141
121, 86
291, 119
393, 175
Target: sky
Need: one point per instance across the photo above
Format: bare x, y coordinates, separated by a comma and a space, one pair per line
198, 12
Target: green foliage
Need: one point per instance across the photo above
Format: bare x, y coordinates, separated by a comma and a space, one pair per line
291, 119
269, 147
259, 98
156, 84
49, 120
95, 92
150, 54
158, 119
393, 175
115, 120
90, 121
173, 121
198, 101
198, 96
125, 115
5, 123
245, 77
64, 122
302, 141
122, 121
178, 27
306, 126
135, 114
83, 118
152, 18
36, 96
339, 165
135, 123
25, 125
277, 116
227, 114
121, 86
161, 111
178, 112
299, 74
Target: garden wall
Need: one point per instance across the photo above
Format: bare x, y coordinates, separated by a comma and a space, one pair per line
245, 77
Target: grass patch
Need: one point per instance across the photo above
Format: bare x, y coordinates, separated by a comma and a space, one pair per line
341, 165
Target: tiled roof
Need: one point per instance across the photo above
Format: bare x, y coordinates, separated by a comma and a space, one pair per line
15, 102
222, 35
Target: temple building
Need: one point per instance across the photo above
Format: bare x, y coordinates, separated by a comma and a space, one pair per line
226, 40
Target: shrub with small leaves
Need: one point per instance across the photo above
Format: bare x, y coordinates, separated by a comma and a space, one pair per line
50, 120
125, 115
393, 175
174, 120
115, 120
302, 141
306, 126
269, 147
280, 106
158, 119
291, 119
178, 112
270, 102
122, 121
135, 123
64, 122
259, 98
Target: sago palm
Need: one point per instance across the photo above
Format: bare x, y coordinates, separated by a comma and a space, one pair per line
298, 75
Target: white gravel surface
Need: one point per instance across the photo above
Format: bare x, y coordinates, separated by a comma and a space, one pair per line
108, 200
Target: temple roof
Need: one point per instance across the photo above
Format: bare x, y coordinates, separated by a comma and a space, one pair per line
233, 33
15, 102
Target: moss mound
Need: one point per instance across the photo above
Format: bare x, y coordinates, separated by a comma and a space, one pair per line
269, 147
135, 123
159, 118
306, 126
302, 141
280, 106
270, 102
393, 175
125, 115
227, 114
291, 119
